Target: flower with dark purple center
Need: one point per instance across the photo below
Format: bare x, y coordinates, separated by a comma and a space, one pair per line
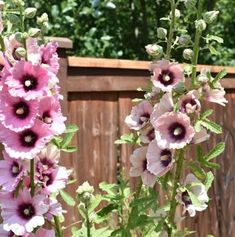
159, 161
166, 75
173, 130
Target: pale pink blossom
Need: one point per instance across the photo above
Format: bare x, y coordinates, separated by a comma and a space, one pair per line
55, 209
28, 81
173, 130
166, 75
23, 214
140, 115
11, 172
214, 95
27, 143
201, 136
198, 189
165, 105
17, 113
139, 167
159, 161
50, 113
190, 103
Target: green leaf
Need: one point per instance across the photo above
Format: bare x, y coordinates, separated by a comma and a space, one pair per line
216, 151
197, 170
127, 139
67, 198
211, 165
71, 128
95, 203
213, 50
209, 180
214, 38
199, 153
196, 202
107, 209
69, 149
109, 188
206, 114
104, 232
212, 126
220, 75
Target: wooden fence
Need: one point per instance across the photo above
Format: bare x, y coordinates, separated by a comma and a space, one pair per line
98, 95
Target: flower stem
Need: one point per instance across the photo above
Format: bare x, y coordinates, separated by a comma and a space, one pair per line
2, 44
173, 204
58, 227
88, 224
32, 186
196, 47
172, 27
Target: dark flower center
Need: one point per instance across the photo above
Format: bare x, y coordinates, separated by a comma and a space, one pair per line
166, 157
177, 131
47, 179
26, 211
15, 169
186, 199
28, 138
29, 82
144, 118
1, 67
44, 61
46, 117
166, 77
21, 110
11, 234
151, 134
187, 102
14, 54
44, 165
145, 164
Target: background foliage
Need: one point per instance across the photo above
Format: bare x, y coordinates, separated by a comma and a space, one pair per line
121, 28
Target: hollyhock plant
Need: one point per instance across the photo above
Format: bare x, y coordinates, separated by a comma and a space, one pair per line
28, 81
27, 143
17, 114
166, 75
140, 115
139, 167
24, 213
11, 172
173, 130
50, 113
198, 189
159, 161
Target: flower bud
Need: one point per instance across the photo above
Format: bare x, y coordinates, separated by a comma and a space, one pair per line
184, 39
161, 33
154, 50
188, 54
211, 16
85, 187
19, 37
30, 12
20, 52
43, 18
200, 25
190, 3
177, 13
82, 206
34, 32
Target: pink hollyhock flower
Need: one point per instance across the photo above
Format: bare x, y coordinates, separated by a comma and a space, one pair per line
49, 57
198, 189
33, 50
166, 75
28, 143
16, 113
159, 161
173, 130
214, 95
201, 136
140, 115
11, 172
189, 103
54, 180
55, 209
28, 81
50, 113
43, 233
23, 214
147, 134
11, 46
165, 105
139, 167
